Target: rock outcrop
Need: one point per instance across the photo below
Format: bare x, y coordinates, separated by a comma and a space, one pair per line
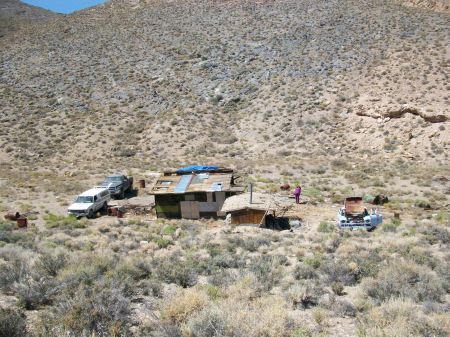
400, 112
435, 5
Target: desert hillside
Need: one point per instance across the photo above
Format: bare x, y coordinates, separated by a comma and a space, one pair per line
159, 80
344, 97
354, 90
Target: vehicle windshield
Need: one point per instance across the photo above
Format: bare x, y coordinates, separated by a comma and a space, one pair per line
84, 200
113, 178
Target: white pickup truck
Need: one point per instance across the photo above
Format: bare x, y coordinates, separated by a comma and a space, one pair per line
90, 202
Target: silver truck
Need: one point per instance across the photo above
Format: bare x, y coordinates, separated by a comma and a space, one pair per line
118, 185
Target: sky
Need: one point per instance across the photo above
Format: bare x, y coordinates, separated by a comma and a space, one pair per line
64, 6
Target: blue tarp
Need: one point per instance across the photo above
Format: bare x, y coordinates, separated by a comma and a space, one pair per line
196, 168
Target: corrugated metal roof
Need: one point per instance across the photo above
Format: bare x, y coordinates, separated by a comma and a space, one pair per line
203, 182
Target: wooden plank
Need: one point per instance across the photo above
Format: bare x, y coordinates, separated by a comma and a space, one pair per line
190, 209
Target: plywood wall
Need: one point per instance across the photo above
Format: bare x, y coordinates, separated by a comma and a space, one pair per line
247, 217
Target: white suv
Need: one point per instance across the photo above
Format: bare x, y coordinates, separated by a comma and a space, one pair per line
90, 202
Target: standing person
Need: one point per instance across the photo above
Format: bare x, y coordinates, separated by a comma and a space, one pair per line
297, 192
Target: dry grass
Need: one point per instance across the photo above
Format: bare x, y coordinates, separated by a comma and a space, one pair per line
183, 304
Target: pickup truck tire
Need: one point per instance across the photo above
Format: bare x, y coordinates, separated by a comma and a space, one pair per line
104, 208
90, 214
122, 194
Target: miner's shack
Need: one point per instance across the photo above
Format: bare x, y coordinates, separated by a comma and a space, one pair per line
194, 192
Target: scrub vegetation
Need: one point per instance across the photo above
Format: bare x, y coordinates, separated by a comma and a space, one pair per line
216, 280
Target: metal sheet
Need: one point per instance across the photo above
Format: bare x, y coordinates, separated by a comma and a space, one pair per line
217, 187
183, 184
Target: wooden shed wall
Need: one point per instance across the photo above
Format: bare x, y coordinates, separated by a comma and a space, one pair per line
250, 216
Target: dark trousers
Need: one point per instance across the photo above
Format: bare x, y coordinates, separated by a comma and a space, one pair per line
297, 198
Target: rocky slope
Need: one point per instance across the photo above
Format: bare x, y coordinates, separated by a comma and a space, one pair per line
139, 82
14, 14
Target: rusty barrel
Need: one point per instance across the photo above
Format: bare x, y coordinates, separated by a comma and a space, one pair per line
119, 213
12, 215
285, 187
22, 222
142, 183
112, 211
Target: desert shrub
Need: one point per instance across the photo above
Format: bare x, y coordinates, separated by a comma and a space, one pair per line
160, 329
339, 163
209, 322
443, 270
337, 198
151, 288
267, 270
401, 317
199, 264
304, 271
6, 226
338, 271
343, 308
305, 294
161, 241
184, 303
63, 222
60, 221
251, 243
365, 263
314, 261
85, 269
320, 316
226, 260
12, 323
33, 291
213, 249
436, 234
337, 288
443, 218
131, 269
266, 316
10, 272
175, 270
169, 230
408, 280
303, 332
332, 244
422, 204
18, 237
49, 264
100, 309
35, 284
391, 226
314, 194
223, 277
325, 227
419, 256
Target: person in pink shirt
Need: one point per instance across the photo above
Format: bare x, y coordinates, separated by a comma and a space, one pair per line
297, 193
